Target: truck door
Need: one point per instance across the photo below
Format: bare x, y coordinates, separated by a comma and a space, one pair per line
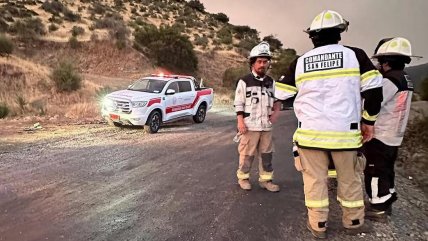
174, 107
187, 94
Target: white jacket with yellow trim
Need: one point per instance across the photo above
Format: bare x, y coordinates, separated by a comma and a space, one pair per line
328, 81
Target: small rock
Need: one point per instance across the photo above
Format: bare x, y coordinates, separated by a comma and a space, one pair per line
410, 177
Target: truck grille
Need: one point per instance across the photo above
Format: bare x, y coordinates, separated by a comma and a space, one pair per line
119, 106
123, 106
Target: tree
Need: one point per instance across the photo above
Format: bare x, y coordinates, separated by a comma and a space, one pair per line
195, 4
168, 47
221, 17
6, 45
282, 62
275, 44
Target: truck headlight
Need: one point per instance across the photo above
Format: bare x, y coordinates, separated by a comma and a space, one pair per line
137, 104
108, 103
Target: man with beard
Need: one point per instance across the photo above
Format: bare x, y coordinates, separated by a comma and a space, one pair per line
256, 111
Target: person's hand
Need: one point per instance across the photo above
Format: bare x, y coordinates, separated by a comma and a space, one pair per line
242, 128
367, 131
274, 117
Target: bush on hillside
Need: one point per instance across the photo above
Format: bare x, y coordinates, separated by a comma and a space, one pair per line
97, 8
77, 30
196, 4
66, 77
71, 16
245, 32
4, 110
424, 89
225, 35
282, 62
221, 17
55, 7
53, 27
4, 27
232, 75
168, 47
275, 44
74, 43
28, 29
6, 46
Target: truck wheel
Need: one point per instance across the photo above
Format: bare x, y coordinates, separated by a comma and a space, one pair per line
200, 114
153, 122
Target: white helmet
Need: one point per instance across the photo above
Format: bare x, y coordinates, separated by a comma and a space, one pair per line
261, 50
328, 19
395, 46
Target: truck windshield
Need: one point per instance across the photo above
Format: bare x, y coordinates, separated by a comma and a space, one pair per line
148, 85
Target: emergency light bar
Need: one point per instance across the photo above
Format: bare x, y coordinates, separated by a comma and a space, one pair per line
172, 76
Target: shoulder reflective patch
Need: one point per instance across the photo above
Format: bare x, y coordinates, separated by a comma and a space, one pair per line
370, 75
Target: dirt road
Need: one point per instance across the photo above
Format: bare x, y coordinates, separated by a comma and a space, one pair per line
94, 182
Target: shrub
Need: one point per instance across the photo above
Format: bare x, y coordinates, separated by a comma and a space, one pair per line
77, 30
282, 62
221, 17
53, 27
275, 44
6, 46
224, 35
4, 27
28, 29
66, 77
54, 7
4, 110
202, 41
74, 43
232, 75
70, 16
195, 4
97, 8
168, 47
424, 89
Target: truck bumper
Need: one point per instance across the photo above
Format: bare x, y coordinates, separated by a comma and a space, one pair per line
124, 119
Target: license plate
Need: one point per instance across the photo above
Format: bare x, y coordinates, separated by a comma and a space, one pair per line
114, 117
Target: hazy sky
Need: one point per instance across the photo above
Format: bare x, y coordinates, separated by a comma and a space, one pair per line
370, 20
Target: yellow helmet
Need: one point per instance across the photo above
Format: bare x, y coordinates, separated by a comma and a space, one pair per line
328, 19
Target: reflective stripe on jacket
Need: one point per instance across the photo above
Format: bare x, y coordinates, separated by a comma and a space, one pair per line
254, 99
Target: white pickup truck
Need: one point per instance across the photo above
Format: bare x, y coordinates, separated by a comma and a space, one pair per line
157, 99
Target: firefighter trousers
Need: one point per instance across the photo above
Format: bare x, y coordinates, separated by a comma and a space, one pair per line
314, 165
379, 175
255, 144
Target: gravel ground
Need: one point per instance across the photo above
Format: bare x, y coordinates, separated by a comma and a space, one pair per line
94, 182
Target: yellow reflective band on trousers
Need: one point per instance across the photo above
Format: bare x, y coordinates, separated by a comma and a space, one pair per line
327, 74
370, 75
242, 175
286, 88
328, 139
266, 177
332, 173
351, 204
368, 117
316, 204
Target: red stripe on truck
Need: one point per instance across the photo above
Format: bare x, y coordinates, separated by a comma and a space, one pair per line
154, 101
189, 106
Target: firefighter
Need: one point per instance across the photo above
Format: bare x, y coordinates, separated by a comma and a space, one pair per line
329, 82
256, 111
381, 152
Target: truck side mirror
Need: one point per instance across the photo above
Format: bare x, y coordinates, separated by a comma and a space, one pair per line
170, 92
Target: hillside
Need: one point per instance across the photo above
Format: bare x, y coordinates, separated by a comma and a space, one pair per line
98, 38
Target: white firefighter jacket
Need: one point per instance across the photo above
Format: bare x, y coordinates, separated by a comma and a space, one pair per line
328, 81
254, 100
394, 113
